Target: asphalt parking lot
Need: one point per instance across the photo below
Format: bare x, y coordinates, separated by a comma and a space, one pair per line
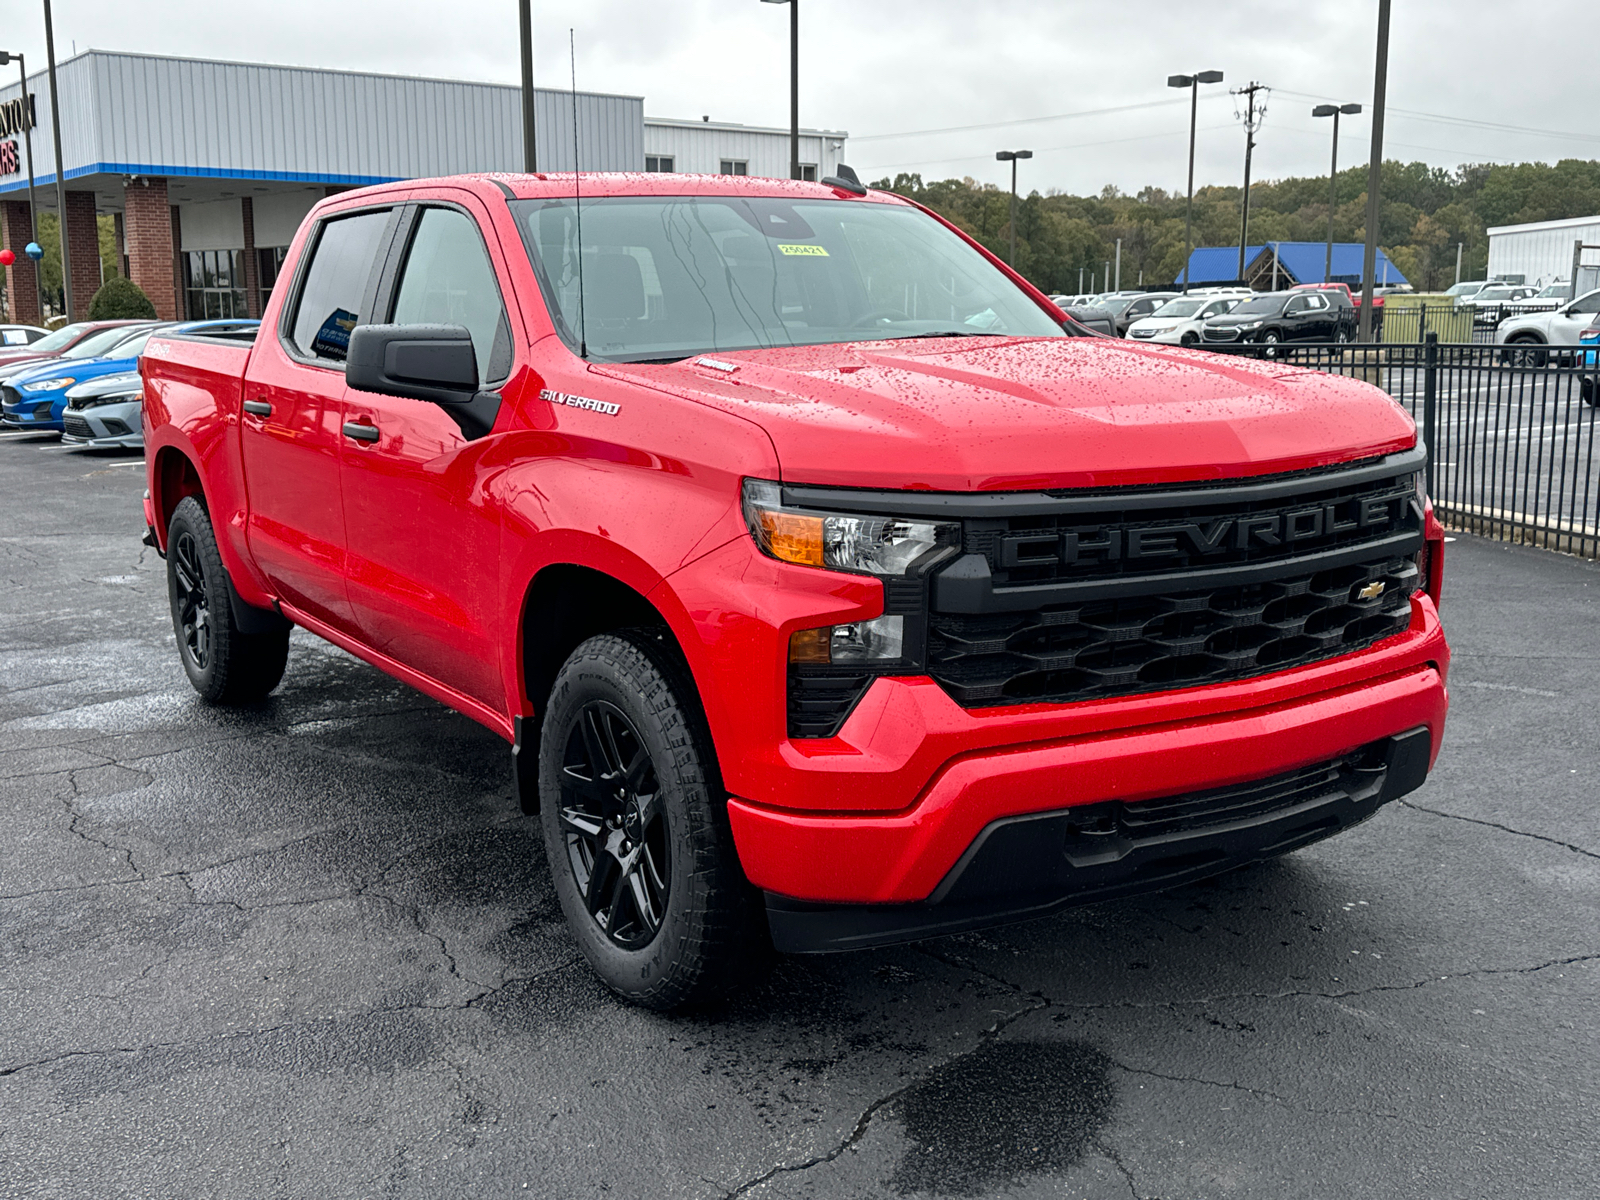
310, 950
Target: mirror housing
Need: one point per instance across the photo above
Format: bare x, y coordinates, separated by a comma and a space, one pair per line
432, 363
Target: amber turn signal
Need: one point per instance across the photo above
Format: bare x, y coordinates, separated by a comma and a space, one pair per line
811, 645
793, 537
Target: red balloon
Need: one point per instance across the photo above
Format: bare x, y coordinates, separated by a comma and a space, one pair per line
7, 258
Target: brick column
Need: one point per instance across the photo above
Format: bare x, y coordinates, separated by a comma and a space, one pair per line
252, 285
21, 277
83, 241
148, 221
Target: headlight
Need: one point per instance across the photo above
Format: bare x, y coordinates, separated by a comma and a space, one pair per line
864, 641
132, 397
53, 385
870, 545
1252, 325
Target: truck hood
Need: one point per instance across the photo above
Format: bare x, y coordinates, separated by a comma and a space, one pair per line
1015, 413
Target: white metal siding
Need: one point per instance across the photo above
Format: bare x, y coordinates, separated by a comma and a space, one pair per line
701, 148
1539, 253
146, 114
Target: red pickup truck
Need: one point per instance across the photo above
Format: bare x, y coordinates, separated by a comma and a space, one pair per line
830, 586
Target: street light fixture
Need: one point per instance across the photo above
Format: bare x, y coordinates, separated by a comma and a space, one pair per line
794, 84
1011, 156
27, 139
1192, 82
1333, 110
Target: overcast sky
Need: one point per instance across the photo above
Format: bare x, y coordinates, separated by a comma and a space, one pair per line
1460, 71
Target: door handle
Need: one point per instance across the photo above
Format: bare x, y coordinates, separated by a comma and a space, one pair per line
258, 408
360, 432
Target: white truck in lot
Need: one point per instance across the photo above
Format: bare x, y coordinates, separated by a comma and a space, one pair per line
1531, 339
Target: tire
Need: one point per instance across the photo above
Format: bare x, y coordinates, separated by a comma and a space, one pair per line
1590, 393
636, 830
224, 665
1271, 343
1520, 353
1189, 341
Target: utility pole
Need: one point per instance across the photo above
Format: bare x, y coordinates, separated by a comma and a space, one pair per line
1192, 82
1252, 121
1380, 83
1119, 264
794, 85
61, 180
1458, 262
1011, 156
530, 148
1080, 279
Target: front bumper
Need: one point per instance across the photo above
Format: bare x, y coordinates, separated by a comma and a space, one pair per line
104, 426
37, 415
1029, 866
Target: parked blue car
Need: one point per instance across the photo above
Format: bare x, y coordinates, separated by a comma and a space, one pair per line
36, 399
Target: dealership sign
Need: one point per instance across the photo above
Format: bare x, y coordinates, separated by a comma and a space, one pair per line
15, 117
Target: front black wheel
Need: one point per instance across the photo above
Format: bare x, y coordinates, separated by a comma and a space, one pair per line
1271, 343
223, 664
636, 828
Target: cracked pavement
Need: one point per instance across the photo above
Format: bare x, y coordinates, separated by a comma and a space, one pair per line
310, 949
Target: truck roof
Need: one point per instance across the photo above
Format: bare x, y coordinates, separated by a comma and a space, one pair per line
560, 185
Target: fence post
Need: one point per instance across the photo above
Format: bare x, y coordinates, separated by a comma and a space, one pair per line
1430, 401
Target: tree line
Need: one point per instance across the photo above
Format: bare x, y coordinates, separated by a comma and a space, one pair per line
1426, 212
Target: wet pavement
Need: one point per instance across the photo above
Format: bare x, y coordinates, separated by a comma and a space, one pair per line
310, 949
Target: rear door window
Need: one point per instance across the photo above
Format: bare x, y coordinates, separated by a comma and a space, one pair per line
335, 282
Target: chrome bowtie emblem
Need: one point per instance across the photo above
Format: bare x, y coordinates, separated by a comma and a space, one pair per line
1372, 591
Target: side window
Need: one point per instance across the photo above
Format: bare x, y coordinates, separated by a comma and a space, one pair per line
330, 299
1297, 305
1586, 305
449, 280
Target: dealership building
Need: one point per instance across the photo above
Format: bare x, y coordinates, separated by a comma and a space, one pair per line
207, 168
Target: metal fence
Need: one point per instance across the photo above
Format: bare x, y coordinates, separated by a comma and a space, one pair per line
1512, 446
1455, 324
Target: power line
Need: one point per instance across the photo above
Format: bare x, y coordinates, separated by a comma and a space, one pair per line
1441, 118
1143, 137
1088, 112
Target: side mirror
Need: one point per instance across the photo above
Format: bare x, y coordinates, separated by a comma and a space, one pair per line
433, 363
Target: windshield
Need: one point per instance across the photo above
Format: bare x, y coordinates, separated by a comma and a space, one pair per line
667, 277
97, 344
132, 347
1494, 293
1556, 291
1184, 306
55, 342
1464, 289
1259, 304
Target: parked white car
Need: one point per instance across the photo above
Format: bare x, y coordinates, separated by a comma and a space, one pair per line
1178, 321
1527, 337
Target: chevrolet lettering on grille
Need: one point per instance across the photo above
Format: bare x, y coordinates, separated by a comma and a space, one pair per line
1363, 515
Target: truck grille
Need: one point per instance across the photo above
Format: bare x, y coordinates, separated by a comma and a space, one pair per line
1136, 591
1219, 335
76, 426
1157, 642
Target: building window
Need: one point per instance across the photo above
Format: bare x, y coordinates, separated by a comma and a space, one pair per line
735, 166
214, 284
269, 261
658, 162
808, 172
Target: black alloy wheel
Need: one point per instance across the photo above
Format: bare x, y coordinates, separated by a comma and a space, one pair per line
191, 606
636, 830
615, 829
225, 664
1527, 354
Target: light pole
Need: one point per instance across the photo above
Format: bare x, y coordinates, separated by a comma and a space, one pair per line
61, 181
1369, 256
794, 84
27, 140
1192, 82
530, 145
1333, 110
1011, 157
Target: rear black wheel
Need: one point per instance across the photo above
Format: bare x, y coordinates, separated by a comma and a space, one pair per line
1527, 354
1190, 340
636, 827
223, 664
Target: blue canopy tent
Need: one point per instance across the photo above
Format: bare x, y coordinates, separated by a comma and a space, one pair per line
1298, 262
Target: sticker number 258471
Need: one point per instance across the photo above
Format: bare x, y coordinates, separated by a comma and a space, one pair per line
599, 406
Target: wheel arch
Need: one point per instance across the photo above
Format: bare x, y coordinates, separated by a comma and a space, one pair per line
173, 475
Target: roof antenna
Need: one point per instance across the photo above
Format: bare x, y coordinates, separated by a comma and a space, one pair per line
577, 195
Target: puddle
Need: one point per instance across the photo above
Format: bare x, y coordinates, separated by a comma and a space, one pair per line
1002, 1113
